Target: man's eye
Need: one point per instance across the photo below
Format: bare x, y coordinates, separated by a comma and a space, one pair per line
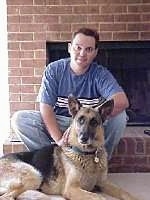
89, 49
78, 48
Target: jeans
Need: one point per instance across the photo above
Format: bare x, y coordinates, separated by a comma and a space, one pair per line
30, 128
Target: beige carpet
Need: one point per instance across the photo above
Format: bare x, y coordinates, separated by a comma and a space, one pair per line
136, 183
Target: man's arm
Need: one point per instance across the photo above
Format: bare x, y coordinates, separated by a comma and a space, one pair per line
120, 103
49, 119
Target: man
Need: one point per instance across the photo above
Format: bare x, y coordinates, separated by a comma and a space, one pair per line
80, 76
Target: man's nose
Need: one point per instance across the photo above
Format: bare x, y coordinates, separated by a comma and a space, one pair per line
83, 52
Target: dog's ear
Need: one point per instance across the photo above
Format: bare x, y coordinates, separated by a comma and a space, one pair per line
73, 105
105, 109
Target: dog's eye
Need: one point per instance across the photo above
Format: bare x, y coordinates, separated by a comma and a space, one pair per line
93, 122
81, 120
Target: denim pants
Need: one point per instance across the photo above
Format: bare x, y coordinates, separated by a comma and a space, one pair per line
30, 128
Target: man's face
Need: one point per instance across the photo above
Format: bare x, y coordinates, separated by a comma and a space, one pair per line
82, 51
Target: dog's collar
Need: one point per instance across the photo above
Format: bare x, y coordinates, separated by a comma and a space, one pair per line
98, 153
79, 151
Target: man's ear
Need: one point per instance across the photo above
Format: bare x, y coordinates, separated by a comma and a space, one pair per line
105, 109
73, 105
69, 47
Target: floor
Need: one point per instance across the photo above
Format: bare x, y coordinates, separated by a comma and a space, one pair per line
135, 183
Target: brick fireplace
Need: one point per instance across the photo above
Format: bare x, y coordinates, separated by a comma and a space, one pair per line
33, 23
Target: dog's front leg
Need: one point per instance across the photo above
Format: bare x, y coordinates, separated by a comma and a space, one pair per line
76, 193
115, 191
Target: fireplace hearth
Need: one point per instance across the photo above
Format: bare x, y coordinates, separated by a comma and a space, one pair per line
129, 62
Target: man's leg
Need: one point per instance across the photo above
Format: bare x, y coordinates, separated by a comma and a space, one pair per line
113, 130
29, 126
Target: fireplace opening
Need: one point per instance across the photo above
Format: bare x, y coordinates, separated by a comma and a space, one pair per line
129, 62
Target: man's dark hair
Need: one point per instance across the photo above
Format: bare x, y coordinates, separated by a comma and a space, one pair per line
88, 32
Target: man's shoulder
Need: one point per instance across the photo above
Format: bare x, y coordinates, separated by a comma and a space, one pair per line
61, 62
98, 68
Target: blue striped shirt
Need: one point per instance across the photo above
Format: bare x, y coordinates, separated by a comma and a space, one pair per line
59, 81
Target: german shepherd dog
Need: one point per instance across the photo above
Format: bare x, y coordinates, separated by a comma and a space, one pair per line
72, 171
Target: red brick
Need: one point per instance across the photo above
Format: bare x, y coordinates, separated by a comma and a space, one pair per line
13, 10
112, 27
31, 10
113, 9
14, 88
20, 2
53, 36
31, 80
27, 89
145, 35
14, 63
59, 27
20, 36
28, 97
13, 28
141, 160
105, 36
138, 27
14, 54
14, 97
65, 36
46, 19
32, 45
101, 18
122, 147
73, 2
113, 1
46, 2
140, 147
33, 63
33, 27
147, 146
27, 71
131, 146
124, 36
130, 160
26, 54
14, 106
13, 19
14, 80
38, 71
90, 25
73, 18
14, 72
39, 36
59, 9
40, 54
13, 45
127, 18
86, 9
139, 8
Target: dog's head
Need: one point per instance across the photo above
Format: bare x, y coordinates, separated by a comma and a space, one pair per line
87, 127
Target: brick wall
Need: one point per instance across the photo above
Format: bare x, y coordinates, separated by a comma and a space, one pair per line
33, 22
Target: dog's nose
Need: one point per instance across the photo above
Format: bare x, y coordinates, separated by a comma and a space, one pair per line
84, 138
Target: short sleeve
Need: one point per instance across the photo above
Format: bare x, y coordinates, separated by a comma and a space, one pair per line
49, 85
107, 84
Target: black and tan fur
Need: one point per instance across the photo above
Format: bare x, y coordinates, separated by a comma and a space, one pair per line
72, 171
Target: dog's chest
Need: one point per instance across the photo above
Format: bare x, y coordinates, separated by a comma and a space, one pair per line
86, 169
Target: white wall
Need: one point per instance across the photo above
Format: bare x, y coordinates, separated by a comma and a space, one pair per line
4, 94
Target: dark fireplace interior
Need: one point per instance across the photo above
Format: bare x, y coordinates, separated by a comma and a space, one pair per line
129, 62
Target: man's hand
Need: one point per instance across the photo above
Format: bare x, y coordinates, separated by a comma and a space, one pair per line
64, 139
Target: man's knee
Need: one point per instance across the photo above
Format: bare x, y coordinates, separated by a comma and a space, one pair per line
16, 119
